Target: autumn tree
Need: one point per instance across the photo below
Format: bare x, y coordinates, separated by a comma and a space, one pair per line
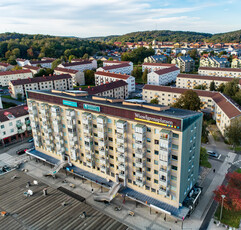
188, 100
154, 101
144, 76
233, 132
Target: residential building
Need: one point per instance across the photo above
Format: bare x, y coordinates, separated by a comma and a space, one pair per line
78, 77
185, 63
14, 124
21, 62
19, 87
189, 81
222, 108
48, 59
93, 61
163, 76
214, 62
156, 59
107, 77
116, 62
5, 66
236, 63
152, 150
155, 66
219, 72
116, 89
123, 68
33, 69
80, 66
7, 76
44, 64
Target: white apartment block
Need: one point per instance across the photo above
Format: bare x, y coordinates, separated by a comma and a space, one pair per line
20, 87
163, 76
219, 72
214, 62
185, 63
78, 77
33, 69
5, 66
151, 67
44, 64
190, 81
236, 63
111, 63
79, 66
22, 62
14, 124
107, 77
123, 68
222, 108
151, 151
7, 76
93, 61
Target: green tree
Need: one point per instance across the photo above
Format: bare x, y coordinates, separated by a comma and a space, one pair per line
202, 87
86, 56
16, 52
71, 57
212, 86
136, 72
233, 132
55, 63
193, 53
204, 158
89, 77
221, 87
154, 101
205, 132
110, 59
231, 88
144, 76
188, 100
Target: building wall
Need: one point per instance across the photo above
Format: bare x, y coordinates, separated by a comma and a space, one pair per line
183, 66
81, 68
152, 68
5, 79
94, 141
236, 63
219, 73
163, 79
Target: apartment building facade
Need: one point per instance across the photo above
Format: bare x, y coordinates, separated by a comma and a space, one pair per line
79, 66
151, 67
236, 63
111, 63
7, 76
47, 63
163, 76
156, 59
190, 81
123, 68
223, 110
185, 63
93, 61
19, 88
116, 89
102, 77
152, 150
33, 69
214, 62
220, 72
22, 62
78, 77
5, 66
14, 124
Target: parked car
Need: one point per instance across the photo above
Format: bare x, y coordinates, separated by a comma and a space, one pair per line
213, 154
30, 140
21, 151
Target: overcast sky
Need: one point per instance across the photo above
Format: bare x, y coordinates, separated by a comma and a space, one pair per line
86, 18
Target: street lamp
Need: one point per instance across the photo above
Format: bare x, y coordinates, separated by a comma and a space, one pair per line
223, 196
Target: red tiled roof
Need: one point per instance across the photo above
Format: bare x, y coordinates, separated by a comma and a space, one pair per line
40, 79
158, 64
21, 71
41, 62
220, 69
224, 103
17, 111
31, 67
106, 87
4, 64
204, 77
65, 70
20, 59
166, 70
115, 66
114, 75
76, 63
116, 62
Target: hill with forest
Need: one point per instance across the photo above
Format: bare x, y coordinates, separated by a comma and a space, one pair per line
172, 36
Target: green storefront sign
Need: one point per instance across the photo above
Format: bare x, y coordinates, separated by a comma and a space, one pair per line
92, 107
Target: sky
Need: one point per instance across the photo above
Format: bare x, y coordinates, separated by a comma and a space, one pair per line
89, 18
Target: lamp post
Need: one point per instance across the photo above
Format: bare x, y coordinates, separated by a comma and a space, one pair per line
221, 212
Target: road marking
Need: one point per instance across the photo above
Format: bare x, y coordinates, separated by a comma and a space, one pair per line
219, 156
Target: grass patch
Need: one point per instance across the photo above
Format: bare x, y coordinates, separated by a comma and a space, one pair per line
230, 218
9, 97
205, 164
238, 171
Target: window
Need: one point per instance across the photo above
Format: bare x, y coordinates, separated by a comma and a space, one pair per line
109, 130
110, 139
148, 169
95, 126
4, 133
148, 139
156, 172
78, 122
12, 130
110, 148
156, 131
175, 135
95, 135
148, 129
147, 188
173, 178
155, 181
174, 146
11, 123
156, 152
174, 157
2, 126
109, 120
153, 190
148, 160
174, 167
148, 178
155, 162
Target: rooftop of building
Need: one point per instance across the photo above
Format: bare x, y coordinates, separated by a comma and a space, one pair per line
13, 112
40, 79
220, 69
159, 64
41, 62
114, 75
226, 104
20, 71
76, 63
166, 70
110, 67
105, 87
116, 61
31, 67
4, 64
186, 58
65, 70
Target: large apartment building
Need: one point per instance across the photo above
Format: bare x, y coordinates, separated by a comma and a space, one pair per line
214, 62
7, 76
102, 77
123, 68
151, 67
111, 63
14, 124
19, 87
5, 66
190, 81
33, 69
152, 150
236, 63
223, 110
80, 66
185, 63
219, 72
93, 61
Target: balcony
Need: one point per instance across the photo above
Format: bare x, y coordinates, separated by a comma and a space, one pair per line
103, 161
121, 158
19, 124
56, 122
162, 191
140, 137
87, 138
102, 152
21, 130
88, 147
121, 139
102, 143
140, 144
163, 182
140, 174
101, 120
27, 122
122, 176
121, 124
73, 143
164, 162
70, 114
29, 128
55, 111
121, 149
139, 182
140, 129
139, 153
102, 134
87, 129
90, 163
139, 164
122, 167
47, 142
88, 155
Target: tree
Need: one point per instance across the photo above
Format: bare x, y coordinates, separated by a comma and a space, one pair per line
89, 77
193, 53
179, 55
233, 132
71, 57
204, 158
136, 72
110, 59
221, 87
188, 100
154, 101
212, 86
205, 133
202, 87
144, 76
86, 56
231, 88
55, 63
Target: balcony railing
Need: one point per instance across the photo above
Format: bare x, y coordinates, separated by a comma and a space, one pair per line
121, 158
